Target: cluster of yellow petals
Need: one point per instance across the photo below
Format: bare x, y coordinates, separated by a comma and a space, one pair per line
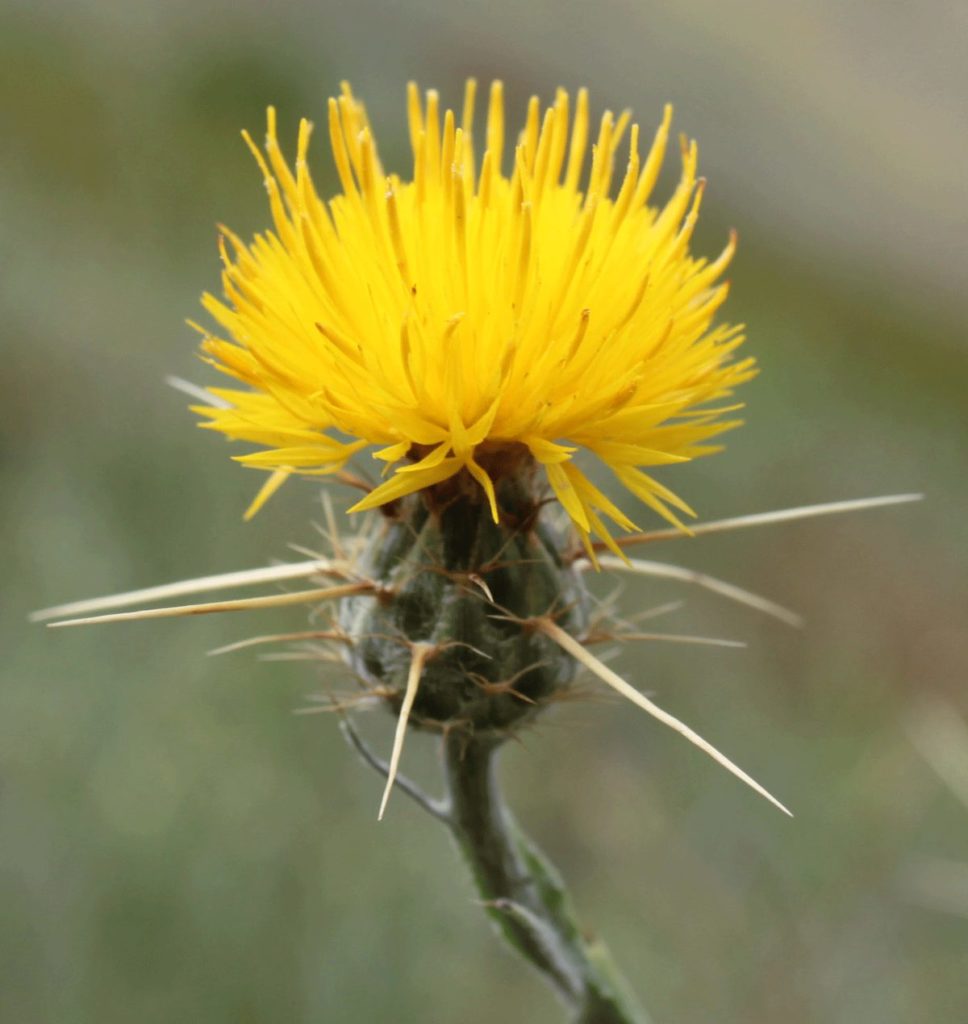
464, 307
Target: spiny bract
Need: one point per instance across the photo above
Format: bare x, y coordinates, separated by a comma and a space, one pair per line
465, 320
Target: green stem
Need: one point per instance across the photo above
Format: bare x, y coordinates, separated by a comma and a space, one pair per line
523, 893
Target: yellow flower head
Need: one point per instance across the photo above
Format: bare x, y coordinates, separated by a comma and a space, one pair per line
468, 320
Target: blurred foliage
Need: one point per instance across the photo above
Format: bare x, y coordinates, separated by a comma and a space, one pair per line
174, 844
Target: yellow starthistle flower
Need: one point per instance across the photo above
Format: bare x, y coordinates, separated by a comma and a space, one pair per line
467, 321
473, 327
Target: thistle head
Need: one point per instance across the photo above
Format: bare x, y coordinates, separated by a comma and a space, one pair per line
493, 313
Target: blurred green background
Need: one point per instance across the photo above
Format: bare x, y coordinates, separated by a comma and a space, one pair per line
176, 845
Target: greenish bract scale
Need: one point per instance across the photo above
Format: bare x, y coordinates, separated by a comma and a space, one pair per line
433, 562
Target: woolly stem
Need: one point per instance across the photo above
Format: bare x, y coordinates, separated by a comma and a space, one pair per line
523, 893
